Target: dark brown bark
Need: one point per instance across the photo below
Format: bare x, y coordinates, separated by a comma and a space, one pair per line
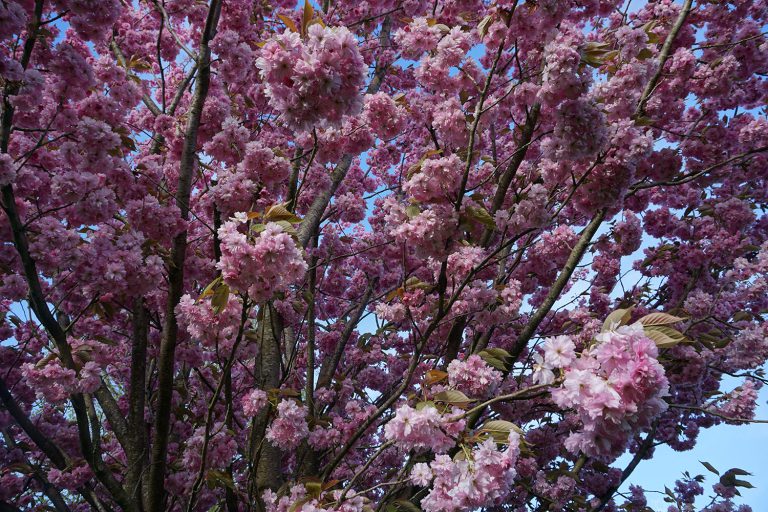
138, 457
266, 456
36, 296
55, 454
166, 360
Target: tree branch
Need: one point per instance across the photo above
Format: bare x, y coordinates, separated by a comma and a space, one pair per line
557, 287
55, 454
166, 357
663, 56
330, 364
642, 451
314, 216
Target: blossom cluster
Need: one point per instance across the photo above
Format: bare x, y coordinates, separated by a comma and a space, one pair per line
298, 500
253, 402
269, 264
238, 187
460, 180
616, 388
423, 429
290, 426
383, 115
481, 479
436, 180
473, 376
317, 81
559, 352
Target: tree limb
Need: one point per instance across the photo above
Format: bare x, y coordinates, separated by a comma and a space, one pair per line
314, 216
166, 357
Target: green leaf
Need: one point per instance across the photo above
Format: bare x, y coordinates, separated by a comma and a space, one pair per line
417, 166
500, 429
299, 503
482, 27
138, 64
397, 292
288, 22
665, 337
314, 487
220, 298
653, 38
330, 484
643, 121
306, 17
596, 54
435, 376
481, 215
405, 506
495, 363
729, 478
492, 360
287, 227
216, 478
279, 212
106, 341
710, 467
208, 290
424, 405
741, 316
616, 319
415, 283
19, 467
412, 211
461, 454
499, 353
452, 396
128, 142
660, 319
644, 54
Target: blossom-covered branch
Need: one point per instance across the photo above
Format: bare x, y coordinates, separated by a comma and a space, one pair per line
346, 256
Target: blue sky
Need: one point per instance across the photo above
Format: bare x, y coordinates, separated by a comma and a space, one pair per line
725, 447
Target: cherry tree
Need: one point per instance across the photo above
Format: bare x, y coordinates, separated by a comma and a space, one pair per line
390, 255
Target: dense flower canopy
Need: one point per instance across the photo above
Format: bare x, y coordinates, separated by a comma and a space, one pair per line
390, 255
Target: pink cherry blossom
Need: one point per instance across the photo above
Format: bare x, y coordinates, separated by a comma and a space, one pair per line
313, 81
322, 256
473, 376
253, 402
290, 426
559, 352
270, 264
423, 429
